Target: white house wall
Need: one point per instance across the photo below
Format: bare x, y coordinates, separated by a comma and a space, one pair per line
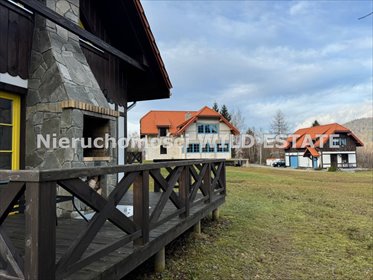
153, 152
305, 162
326, 159
177, 152
352, 158
352, 161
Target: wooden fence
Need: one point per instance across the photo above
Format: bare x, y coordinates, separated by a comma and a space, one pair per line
133, 157
207, 177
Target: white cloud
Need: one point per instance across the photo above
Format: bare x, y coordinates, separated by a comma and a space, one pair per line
299, 8
238, 92
339, 104
312, 59
133, 127
342, 115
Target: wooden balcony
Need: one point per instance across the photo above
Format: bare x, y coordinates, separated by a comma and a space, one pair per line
167, 199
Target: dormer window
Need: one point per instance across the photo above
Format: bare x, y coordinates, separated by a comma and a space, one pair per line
163, 131
207, 128
341, 142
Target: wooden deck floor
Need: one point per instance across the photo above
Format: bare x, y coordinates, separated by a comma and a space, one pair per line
120, 262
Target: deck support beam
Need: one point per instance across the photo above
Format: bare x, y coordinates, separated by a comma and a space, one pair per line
216, 214
160, 260
197, 227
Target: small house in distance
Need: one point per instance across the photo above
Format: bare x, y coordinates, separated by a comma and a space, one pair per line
206, 131
326, 150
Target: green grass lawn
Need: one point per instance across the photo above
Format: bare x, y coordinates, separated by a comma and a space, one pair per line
281, 224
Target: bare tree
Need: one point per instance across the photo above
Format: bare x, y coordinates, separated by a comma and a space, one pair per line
238, 120
253, 152
279, 125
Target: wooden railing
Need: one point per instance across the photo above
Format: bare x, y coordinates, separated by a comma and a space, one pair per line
346, 165
133, 157
39, 190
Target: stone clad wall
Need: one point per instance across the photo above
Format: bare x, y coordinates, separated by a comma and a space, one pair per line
58, 72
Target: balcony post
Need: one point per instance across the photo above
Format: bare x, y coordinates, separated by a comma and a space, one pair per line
184, 190
141, 206
207, 183
40, 215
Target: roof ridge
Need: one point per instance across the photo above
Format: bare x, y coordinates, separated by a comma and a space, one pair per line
171, 111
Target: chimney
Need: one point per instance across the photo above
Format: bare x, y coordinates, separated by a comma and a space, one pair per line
188, 115
64, 98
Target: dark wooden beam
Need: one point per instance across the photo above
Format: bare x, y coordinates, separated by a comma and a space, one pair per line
99, 253
40, 239
163, 183
9, 195
165, 195
198, 184
44, 11
184, 189
10, 254
72, 173
86, 194
141, 206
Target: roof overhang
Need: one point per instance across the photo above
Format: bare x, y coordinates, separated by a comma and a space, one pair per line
310, 151
133, 43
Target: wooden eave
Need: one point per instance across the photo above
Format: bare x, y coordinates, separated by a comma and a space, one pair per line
148, 78
44, 11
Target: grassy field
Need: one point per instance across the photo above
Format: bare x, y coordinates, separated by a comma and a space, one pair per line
281, 224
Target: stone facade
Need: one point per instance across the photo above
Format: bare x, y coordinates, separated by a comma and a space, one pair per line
59, 72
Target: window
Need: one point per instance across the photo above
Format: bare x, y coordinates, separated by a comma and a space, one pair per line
9, 130
342, 142
339, 142
163, 150
208, 149
222, 148
193, 148
163, 131
335, 141
208, 128
344, 158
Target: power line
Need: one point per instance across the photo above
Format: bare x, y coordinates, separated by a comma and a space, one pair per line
371, 13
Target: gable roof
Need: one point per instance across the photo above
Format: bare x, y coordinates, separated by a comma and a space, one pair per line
153, 43
315, 132
176, 121
124, 25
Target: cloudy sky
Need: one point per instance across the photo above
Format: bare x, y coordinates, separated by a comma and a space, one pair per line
310, 59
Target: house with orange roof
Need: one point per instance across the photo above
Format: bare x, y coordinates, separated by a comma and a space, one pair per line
187, 134
323, 146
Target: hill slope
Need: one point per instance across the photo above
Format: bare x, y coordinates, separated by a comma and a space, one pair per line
363, 128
